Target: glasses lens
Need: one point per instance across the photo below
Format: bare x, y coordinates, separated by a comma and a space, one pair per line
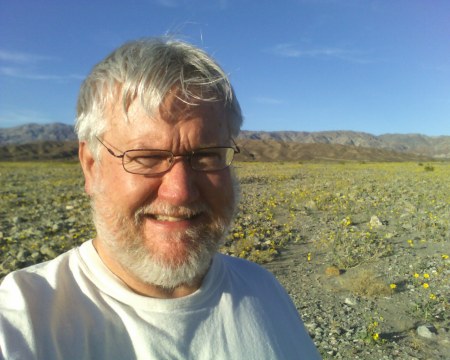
212, 159
147, 161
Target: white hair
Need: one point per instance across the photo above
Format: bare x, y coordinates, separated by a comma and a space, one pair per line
148, 70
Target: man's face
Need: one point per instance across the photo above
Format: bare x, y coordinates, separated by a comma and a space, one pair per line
163, 229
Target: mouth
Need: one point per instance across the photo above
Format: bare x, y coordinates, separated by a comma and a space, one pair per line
167, 215
172, 218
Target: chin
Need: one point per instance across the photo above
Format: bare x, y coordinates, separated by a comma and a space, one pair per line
179, 262
165, 256
169, 273
164, 260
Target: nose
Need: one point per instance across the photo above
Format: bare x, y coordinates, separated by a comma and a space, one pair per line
178, 185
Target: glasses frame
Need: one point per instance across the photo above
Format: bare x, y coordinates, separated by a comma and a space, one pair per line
187, 155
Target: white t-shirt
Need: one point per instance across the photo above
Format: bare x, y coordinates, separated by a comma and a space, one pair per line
74, 307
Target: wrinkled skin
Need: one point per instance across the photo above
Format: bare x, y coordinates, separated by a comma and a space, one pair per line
159, 233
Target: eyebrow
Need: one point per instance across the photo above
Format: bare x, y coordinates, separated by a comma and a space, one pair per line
141, 146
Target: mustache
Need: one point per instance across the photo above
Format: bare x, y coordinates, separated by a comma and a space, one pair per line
167, 209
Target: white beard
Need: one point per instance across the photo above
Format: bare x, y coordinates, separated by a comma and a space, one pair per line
124, 239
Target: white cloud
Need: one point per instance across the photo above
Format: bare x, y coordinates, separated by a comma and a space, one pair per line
23, 74
285, 50
22, 65
291, 51
21, 57
19, 117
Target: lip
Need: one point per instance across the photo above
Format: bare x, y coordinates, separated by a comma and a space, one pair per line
169, 222
171, 218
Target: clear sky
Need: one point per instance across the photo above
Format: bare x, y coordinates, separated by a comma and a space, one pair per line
378, 66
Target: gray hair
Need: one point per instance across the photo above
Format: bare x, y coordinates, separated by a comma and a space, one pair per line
148, 70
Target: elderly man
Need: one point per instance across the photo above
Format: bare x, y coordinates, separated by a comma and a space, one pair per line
156, 121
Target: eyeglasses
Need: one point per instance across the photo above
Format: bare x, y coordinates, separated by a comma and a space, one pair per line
153, 162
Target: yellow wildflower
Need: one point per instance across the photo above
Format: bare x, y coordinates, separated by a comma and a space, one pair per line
416, 275
444, 256
432, 296
376, 336
426, 276
393, 286
425, 285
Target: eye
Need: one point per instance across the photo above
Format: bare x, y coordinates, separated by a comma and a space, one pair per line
136, 160
209, 159
149, 160
210, 154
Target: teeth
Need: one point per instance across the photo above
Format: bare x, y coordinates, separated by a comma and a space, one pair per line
169, 218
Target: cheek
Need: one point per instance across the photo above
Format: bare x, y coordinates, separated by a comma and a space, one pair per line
219, 190
124, 192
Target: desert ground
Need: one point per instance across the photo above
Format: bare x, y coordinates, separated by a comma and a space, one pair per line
362, 248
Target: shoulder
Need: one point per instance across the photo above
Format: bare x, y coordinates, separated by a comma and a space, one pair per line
246, 267
251, 275
35, 280
258, 298
34, 296
243, 266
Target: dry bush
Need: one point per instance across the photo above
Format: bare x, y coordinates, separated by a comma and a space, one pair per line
365, 283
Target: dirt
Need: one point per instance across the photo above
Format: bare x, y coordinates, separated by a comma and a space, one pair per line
331, 304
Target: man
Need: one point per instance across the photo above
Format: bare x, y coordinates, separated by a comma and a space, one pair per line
156, 121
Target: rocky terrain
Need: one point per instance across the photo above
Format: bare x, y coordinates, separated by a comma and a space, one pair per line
362, 248
346, 324
369, 266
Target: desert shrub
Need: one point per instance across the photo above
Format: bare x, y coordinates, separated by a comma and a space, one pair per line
254, 179
365, 283
351, 247
44, 203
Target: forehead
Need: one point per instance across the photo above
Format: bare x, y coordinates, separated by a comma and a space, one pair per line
174, 120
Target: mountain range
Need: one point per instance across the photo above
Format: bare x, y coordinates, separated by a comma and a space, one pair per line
437, 147
57, 140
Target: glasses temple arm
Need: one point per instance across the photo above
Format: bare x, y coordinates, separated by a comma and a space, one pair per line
109, 150
237, 150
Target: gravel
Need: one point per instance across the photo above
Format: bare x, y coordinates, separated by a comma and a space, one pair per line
364, 261
339, 321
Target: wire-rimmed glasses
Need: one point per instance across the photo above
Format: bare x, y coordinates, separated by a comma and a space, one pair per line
154, 161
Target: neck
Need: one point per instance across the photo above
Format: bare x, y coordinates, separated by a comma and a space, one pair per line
138, 286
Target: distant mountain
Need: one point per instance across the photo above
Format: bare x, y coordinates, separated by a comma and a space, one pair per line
429, 146
276, 150
435, 146
251, 150
58, 141
37, 132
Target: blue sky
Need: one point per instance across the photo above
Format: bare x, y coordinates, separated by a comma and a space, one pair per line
378, 66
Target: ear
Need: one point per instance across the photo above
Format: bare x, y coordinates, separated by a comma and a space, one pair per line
88, 166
